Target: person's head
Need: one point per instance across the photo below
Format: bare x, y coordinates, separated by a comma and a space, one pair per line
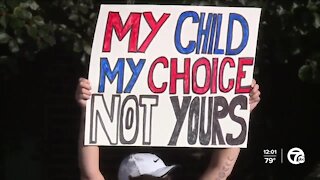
144, 166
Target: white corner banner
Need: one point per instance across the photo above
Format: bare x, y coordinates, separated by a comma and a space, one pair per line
171, 76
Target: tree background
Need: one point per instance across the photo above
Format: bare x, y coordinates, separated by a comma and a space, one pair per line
45, 47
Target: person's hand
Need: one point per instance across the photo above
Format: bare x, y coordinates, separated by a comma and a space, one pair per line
254, 95
83, 92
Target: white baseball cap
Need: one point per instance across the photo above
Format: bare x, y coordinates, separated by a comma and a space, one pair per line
139, 164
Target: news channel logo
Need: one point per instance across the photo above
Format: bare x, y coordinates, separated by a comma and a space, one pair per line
294, 156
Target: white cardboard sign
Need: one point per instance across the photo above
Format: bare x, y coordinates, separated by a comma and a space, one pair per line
171, 76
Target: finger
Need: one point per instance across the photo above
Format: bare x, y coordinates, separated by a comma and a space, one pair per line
254, 89
85, 97
86, 91
84, 80
255, 96
85, 84
256, 100
255, 93
81, 79
253, 83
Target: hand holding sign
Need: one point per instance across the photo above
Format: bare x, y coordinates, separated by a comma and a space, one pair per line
83, 92
254, 95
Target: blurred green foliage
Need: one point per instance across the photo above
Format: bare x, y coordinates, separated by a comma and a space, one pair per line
23, 29
289, 30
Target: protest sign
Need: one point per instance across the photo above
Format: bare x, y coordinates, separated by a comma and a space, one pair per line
171, 76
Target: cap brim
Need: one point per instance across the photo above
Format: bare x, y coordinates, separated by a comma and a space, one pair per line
162, 171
